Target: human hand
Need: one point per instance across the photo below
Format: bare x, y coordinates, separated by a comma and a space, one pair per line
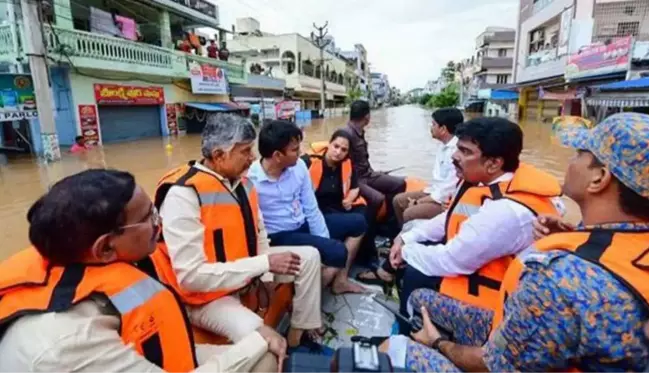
428, 333
548, 224
276, 344
411, 202
446, 204
395, 253
286, 263
347, 204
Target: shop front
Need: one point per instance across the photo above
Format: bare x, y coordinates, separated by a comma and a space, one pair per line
123, 113
17, 110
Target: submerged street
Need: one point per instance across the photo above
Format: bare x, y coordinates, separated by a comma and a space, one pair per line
397, 136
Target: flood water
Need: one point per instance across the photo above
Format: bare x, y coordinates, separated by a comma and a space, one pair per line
398, 137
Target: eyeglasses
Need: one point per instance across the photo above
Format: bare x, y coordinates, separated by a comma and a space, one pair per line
153, 217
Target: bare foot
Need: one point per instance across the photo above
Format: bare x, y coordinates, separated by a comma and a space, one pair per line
346, 286
374, 276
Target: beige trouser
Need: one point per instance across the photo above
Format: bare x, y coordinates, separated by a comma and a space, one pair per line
266, 363
405, 213
228, 317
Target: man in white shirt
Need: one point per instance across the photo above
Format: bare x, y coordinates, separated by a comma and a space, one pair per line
429, 203
215, 243
463, 253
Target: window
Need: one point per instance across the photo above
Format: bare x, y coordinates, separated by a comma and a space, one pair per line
628, 28
502, 52
501, 78
629, 10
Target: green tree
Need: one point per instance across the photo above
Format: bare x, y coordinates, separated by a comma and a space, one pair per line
424, 99
449, 97
353, 93
448, 72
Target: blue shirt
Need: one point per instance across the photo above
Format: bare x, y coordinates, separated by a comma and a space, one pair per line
287, 203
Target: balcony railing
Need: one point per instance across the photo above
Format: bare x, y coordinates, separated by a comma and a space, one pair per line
95, 51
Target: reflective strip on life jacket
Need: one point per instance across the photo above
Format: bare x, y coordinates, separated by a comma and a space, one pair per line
230, 219
136, 295
152, 320
623, 254
481, 289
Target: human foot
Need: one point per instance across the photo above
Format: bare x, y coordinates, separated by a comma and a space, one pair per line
375, 277
341, 286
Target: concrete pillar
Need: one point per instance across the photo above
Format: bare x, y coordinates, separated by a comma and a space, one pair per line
63, 14
165, 30
522, 103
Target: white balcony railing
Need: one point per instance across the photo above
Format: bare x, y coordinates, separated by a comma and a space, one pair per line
541, 57
85, 44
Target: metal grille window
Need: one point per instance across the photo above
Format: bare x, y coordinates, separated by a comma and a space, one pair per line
501, 78
502, 52
621, 18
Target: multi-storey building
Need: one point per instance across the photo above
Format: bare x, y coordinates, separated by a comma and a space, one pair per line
553, 38
358, 57
492, 66
380, 88
115, 69
295, 59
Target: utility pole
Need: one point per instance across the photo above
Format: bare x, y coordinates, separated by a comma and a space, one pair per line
320, 42
37, 53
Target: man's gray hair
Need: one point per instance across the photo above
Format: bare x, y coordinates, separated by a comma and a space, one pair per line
224, 131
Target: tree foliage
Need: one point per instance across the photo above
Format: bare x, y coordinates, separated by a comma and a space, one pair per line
449, 97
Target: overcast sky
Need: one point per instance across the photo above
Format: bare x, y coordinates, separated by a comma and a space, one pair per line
410, 40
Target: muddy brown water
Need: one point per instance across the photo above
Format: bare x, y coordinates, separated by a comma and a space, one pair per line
398, 137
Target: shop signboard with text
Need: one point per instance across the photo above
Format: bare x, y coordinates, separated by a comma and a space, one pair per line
17, 100
208, 79
113, 94
600, 59
89, 124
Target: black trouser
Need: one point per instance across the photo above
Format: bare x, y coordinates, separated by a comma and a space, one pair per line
411, 279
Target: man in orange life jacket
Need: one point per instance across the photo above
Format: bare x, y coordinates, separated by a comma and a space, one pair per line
490, 220
215, 243
575, 300
74, 302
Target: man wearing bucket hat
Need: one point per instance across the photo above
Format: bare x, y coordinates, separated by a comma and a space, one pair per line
578, 299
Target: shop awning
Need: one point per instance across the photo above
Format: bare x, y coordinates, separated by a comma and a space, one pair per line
625, 84
505, 95
618, 102
218, 106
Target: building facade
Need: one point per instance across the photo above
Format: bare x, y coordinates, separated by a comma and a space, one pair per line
555, 36
361, 68
380, 89
294, 59
117, 71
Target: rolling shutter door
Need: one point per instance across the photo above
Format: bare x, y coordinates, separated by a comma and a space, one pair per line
124, 123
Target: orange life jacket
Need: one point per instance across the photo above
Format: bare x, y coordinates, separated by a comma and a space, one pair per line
531, 188
316, 169
623, 254
152, 319
230, 221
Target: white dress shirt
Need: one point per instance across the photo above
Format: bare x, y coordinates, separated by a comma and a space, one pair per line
184, 235
445, 178
86, 339
499, 228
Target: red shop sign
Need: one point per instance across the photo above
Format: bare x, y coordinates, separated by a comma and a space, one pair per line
112, 94
89, 124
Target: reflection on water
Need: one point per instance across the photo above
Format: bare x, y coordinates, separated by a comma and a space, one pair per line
398, 137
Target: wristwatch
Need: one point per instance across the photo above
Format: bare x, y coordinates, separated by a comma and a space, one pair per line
435, 344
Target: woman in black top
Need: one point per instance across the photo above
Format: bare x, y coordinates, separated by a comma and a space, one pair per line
336, 189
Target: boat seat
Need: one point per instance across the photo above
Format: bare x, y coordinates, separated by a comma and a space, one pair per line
280, 306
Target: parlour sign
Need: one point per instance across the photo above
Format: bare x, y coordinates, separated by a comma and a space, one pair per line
113, 94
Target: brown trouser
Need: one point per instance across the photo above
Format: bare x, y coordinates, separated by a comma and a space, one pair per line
405, 214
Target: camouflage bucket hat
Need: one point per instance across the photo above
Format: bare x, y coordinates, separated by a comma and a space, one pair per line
621, 142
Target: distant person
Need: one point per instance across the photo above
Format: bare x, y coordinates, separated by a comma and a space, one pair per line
212, 49
184, 44
577, 300
288, 202
429, 203
79, 145
224, 53
75, 301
